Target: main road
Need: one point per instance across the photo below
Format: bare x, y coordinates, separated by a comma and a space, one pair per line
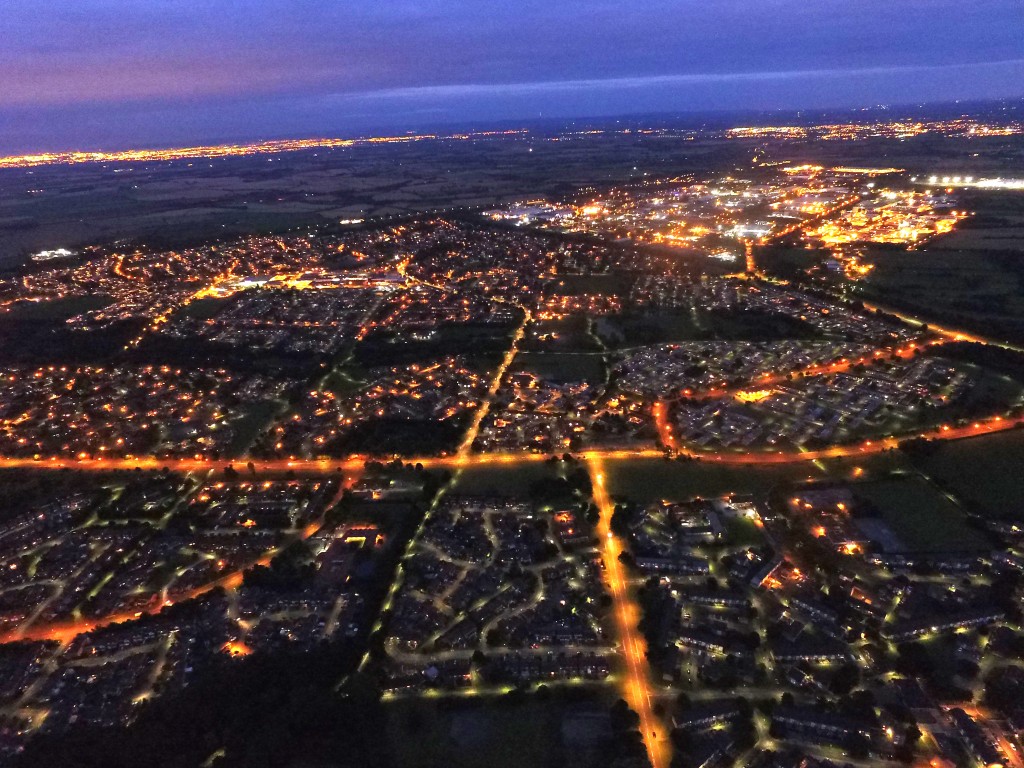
636, 683
463, 459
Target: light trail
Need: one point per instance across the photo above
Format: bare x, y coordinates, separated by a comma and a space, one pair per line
636, 686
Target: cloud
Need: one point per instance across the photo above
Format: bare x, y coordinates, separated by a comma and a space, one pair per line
548, 88
146, 67
81, 51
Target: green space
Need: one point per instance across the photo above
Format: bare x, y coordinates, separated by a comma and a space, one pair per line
255, 418
755, 325
788, 263
57, 311
498, 480
203, 309
986, 238
1000, 369
921, 515
562, 366
865, 467
394, 435
387, 348
498, 732
980, 290
637, 329
984, 473
484, 363
992, 392
51, 341
647, 480
631, 330
569, 334
345, 380
20, 490
742, 532
577, 285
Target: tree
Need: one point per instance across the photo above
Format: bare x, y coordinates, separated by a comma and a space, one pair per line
845, 679
745, 707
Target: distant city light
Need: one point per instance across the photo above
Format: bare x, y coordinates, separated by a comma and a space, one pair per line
56, 253
970, 181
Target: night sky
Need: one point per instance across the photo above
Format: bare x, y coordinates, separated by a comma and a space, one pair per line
115, 73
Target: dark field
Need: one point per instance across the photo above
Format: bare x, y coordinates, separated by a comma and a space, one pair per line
630, 330
923, 517
984, 473
496, 732
178, 203
56, 311
974, 275
647, 480
562, 366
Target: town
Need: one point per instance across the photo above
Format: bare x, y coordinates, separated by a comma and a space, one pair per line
602, 452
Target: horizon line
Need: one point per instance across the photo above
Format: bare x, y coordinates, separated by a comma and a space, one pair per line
295, 143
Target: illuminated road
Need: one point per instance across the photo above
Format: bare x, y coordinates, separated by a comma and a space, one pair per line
748, 253
868, 447
952, 334
823, 369
660, 411
322, 466
636, 685
499, 375
636, 690
807, 223
466, 446
66, 630
1005, 746
164, 317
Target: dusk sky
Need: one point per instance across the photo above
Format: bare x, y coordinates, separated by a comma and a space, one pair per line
117, 73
